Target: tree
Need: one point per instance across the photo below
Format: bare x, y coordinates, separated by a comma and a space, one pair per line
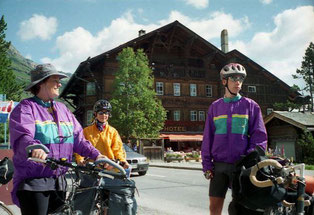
136, 110
288, 106
306, 142
8, 85
307, 71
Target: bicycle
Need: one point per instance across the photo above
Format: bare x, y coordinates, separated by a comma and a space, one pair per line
93, 169
270, 186
6, 172
296, 200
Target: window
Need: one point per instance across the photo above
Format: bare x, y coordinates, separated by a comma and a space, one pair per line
193, 115
90, 88
209, 90
252, 89
193, 90
269, 111
176, 115
89, 117
176, 89
160, 88
201, 115
168, 112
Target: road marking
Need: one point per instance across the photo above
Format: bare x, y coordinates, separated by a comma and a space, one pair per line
160, 176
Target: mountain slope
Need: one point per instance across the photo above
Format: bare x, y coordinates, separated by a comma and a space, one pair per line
20, 65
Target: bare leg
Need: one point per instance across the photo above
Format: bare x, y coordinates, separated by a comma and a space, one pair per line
216, 205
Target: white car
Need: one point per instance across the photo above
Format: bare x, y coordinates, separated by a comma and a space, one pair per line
136, 160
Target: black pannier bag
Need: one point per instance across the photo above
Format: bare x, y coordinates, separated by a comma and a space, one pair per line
118, 193
250, 196
121, 196
6, 170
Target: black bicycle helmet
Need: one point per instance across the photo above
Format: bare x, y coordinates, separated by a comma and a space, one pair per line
102, 105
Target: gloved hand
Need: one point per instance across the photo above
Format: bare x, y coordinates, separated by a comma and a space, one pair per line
209, 174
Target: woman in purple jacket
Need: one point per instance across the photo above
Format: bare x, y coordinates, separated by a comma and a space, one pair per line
234, 127
41, 120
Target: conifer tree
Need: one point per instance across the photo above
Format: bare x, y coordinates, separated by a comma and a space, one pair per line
8, 85
136, 111
306, 72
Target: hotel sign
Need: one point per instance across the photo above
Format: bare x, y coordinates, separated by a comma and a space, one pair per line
175, 128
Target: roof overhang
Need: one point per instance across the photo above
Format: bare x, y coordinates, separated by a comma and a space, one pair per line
183, 137
287, 120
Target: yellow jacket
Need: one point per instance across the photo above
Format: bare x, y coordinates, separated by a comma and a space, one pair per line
108, 142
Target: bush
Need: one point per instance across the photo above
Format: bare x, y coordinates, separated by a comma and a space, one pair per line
306, 142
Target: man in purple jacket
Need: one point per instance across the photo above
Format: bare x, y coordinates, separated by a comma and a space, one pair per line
41, 120
234, 127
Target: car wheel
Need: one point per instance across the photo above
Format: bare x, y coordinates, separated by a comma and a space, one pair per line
142, 173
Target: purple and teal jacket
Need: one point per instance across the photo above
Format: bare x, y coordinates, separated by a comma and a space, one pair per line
233, 127
31, 123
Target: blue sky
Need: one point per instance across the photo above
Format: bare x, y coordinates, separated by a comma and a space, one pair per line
273, 33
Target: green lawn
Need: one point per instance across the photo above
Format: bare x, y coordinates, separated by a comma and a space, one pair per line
309, 167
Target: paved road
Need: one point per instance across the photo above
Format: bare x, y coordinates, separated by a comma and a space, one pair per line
165, 191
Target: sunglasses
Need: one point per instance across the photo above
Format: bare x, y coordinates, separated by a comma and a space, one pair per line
103, 112
236, 78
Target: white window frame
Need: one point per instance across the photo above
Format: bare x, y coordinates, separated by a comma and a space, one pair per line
209, 90
91, 88
193, 90
176, 115
251, 89
193, 115
160, 88
176, 89
201, 115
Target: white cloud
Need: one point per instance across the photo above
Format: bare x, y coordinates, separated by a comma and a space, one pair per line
210, 27
77, 45
281, 51
38, 26
199, 4
266, 1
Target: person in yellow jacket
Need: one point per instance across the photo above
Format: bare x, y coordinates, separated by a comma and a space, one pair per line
104, 137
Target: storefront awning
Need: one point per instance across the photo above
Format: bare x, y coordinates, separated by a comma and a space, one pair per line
182, 137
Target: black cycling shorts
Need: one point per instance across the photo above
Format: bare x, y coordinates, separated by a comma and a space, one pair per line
222, 179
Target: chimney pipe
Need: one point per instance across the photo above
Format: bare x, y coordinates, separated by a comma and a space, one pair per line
224, 41
141, 32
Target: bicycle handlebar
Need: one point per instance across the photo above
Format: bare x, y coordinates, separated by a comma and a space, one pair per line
51, 162
268, 182
36, 146
111, 163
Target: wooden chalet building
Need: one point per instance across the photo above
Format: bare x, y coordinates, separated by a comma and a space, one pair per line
186, 70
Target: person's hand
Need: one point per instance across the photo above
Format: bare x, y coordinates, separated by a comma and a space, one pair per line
81, 162
125, 164
39, 153
209, 174
106, 166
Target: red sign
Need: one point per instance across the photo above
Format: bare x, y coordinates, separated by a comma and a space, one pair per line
5, 109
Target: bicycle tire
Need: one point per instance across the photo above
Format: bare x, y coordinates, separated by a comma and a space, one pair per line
4, 210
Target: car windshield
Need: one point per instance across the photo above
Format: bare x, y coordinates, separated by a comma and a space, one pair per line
127, 148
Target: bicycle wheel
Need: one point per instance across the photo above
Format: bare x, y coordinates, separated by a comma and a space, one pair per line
4, 210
